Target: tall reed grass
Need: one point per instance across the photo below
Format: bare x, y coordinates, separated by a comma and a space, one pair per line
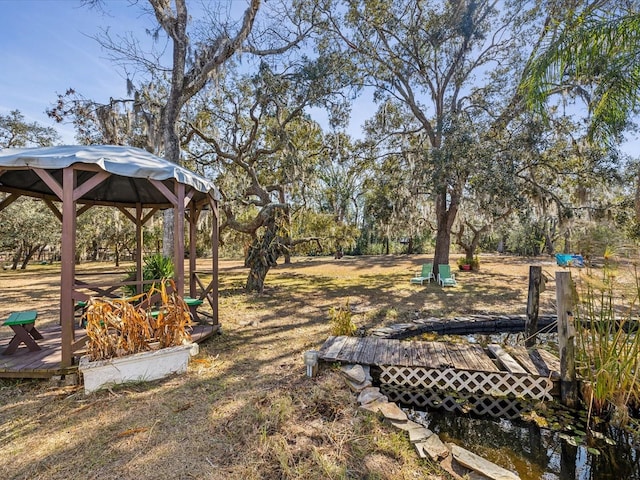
608, 343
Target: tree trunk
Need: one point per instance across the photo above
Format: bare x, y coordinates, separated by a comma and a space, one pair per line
40, 256
443, 246
16, 258
117, 254
27, 258
94, 250
445, 218
262, 255
567, 241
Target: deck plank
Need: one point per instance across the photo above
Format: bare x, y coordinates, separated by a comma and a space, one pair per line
531, 360
457, 358
418, 353
393, 354
357, 351
442, 358
430, 359
552, 362
406, 354
367, 355
507, 361
332, 350
348, 351
478, 359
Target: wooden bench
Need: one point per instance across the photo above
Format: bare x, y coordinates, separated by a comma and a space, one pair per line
23, 325
193, 304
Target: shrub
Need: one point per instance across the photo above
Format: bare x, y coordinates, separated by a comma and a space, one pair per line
155, 267
341, 322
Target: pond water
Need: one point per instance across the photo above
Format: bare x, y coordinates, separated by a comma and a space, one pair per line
495, 428
533, 452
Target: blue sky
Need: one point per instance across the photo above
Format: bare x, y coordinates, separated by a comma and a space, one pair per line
46, 48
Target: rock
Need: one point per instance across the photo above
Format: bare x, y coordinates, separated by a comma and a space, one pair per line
406, 426
391, 411
457, 471
475, 476
373, 406
419, 434
354, 373
420, 450
357, 387
434, 447
70, 380
371, 394
481, 465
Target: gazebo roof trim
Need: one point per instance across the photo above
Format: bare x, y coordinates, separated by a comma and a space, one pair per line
127, 162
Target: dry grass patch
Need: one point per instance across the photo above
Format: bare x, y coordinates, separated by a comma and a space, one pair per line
245, 410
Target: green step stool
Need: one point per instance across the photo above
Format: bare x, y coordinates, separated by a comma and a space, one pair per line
23, 325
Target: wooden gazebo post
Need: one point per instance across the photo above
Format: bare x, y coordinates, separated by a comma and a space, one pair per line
68, 272
139, 247
215, 239
194, 214
178, 237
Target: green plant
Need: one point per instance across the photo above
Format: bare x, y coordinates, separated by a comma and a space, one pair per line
155, 267
607, 347
462, 261
341, 322
474, 263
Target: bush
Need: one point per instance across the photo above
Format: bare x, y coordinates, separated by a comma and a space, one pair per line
341, 322
155, 267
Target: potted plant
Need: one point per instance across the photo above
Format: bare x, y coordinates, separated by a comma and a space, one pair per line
464, 264
468, 264
155, 266
135, 339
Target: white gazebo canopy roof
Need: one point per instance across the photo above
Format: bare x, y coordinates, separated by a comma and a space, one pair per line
130, 169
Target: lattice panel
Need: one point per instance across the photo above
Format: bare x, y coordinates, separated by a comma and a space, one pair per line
480, 405
496, 384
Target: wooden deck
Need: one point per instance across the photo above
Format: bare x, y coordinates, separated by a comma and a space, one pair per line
45, 363
461, 366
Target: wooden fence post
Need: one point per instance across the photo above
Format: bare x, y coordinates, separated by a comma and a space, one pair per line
533, 305
566, 334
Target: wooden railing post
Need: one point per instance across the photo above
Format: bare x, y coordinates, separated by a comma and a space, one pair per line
566, 334
533, 305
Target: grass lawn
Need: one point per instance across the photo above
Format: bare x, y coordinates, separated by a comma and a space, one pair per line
245, 410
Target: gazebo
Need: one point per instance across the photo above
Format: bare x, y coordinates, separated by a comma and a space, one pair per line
72, 179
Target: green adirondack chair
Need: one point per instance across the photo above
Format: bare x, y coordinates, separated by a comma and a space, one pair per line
425, 274
445, 277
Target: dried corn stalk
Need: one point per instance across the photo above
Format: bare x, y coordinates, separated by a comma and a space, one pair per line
118, 327
172, 327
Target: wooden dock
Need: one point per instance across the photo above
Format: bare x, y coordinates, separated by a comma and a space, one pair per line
45, 363
461, 367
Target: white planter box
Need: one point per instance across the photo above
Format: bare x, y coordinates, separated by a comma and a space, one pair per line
138, 367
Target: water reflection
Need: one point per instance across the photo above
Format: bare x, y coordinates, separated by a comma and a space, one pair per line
490, 428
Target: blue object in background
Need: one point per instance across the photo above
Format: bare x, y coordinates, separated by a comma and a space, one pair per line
569, 260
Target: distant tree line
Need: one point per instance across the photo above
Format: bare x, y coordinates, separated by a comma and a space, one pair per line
484, 135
